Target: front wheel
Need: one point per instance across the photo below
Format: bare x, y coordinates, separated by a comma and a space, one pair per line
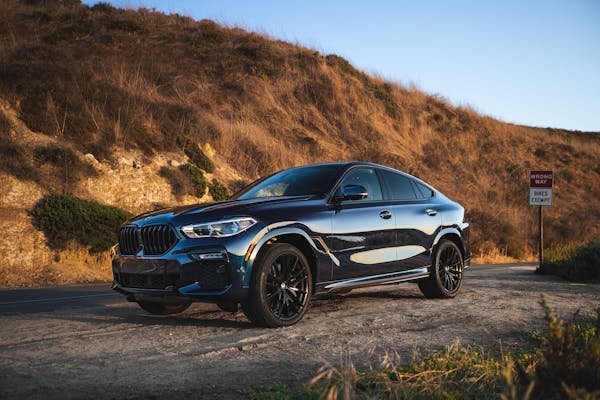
163, 309
446, 277
281, 287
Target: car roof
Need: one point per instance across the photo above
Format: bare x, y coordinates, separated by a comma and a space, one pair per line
346, 164
349, 164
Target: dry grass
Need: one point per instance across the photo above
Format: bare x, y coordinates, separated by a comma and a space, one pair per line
562, 362
100, 78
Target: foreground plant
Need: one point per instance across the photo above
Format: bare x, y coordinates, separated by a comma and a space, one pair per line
568, 358
564, 364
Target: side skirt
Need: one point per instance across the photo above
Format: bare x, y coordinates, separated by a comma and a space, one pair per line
374, 280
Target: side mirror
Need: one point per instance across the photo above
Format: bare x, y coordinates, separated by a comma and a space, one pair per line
353, 192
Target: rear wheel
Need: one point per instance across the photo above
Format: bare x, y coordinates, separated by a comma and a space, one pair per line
281, 287
446, 277
162, 308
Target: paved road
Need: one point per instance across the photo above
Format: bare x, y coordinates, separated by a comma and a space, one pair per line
48, 299
86, 342
36, 300
54, 298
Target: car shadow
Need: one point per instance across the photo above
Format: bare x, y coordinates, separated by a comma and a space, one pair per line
125, 314
377, 292
197, 315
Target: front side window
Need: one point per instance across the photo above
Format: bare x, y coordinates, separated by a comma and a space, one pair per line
365, 177
302, 181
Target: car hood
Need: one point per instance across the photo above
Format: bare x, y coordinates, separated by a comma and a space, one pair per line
214, 211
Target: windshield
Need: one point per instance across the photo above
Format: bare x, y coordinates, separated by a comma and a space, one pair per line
302, 181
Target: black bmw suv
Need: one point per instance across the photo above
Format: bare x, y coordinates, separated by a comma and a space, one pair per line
317, 228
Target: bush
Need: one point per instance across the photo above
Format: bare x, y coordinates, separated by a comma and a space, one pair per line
565, 363
65, 218
575, 262
218, 191
197, 179
568, 357
195, 154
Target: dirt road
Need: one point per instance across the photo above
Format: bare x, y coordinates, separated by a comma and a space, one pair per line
82, 342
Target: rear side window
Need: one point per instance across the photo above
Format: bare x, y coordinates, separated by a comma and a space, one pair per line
423, 192
398, 185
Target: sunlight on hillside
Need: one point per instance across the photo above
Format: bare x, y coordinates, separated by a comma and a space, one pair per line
101, 83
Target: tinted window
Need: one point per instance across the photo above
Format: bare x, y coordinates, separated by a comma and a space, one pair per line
314, 179
365, 177
423, 192
399, 186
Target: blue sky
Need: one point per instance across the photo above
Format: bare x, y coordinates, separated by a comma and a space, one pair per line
529, 62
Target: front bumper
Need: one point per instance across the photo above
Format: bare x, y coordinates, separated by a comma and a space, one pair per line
209, 274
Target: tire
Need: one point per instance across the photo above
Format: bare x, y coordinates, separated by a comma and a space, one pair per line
163, 309
446, 276
281, 287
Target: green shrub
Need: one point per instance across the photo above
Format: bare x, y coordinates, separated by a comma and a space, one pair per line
574, 262
563, 363
568, 356
218, 191
195, 154
197, 179
65, 218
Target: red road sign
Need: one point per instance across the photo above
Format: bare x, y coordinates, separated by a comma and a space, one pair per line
541, 179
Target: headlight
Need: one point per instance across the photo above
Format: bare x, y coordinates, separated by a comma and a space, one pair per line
223, 228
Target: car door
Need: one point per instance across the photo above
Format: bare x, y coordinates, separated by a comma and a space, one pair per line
417, 218
363, 231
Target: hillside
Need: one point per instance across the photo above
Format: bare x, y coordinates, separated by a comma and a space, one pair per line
108, 104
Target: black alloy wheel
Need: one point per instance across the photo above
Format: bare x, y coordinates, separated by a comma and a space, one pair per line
450, 268
281, 287
287, 287
446, 277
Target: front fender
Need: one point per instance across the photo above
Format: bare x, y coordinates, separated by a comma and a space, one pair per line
267, 234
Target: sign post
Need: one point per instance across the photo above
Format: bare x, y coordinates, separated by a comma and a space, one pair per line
540, 194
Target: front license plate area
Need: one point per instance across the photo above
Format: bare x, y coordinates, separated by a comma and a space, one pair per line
146, 274
151, 267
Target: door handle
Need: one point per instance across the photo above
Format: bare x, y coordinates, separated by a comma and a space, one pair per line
431, 212
385, 214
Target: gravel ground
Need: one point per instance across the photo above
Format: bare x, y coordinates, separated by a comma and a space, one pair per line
117, 351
